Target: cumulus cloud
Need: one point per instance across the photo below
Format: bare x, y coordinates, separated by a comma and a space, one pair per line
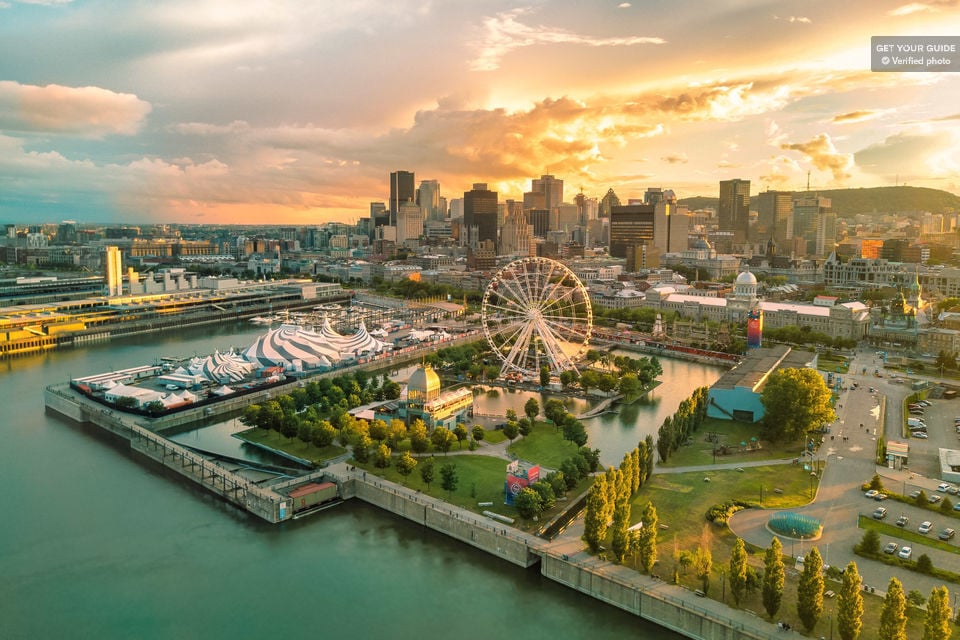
824, 156
504, 33
82, 111
860, 115
624, 5
800, 19
913, 155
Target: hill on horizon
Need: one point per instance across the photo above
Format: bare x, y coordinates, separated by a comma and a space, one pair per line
850, 202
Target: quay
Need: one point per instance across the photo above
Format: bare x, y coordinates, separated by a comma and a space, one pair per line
562, 560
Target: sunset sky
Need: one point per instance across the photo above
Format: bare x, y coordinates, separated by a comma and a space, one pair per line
295, 112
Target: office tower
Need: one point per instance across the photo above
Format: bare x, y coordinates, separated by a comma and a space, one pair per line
808, 208
607, 203
534, 200
587, 209
442, 208
114, 271
552, 190
734, 211
826, 234
480, 214
630, 226
653, 195
671, 223
456, 209
379, 214
409, 222
567, 217
401, 190
428, 197
775, 217
516, 237
539, 219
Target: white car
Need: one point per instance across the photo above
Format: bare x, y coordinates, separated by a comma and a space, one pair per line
942, 487
905, 552
872, 493
925, 526
919, 434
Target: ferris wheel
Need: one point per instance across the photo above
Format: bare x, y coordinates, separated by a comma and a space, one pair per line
536, 313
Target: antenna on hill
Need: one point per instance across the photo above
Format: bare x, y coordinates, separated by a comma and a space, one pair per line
808, 180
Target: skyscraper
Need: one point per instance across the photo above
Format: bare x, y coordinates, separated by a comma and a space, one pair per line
401, 190
775, 216
428, 197
631, 226
609, 201
733, 212
552, 190
671, 223
114, 271
480, 214
808, 209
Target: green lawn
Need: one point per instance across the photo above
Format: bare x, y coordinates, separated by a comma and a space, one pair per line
293, 446
480, 479
544, 446
493, 436
909, 535
731, 434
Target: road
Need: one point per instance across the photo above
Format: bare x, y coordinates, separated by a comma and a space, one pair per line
849, 455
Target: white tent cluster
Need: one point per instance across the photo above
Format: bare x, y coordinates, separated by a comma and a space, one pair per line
293, 347
221, 367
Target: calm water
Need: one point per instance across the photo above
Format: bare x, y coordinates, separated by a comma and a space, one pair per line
95, 544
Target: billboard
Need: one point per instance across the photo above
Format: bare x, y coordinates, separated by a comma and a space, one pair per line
519, 475
755, 328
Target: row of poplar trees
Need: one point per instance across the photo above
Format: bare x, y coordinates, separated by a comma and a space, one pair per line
609, 505
687, 419
849, 610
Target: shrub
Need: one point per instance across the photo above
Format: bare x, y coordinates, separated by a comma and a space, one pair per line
924, 564
720, 513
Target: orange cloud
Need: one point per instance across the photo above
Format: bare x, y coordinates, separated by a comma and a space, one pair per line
856, 116
821, 152
83, 111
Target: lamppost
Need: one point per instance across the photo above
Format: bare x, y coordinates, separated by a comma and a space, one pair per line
830, 618
761, 494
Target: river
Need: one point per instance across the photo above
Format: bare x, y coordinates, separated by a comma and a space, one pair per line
94, 542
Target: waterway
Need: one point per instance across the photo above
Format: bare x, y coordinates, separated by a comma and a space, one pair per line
94, 543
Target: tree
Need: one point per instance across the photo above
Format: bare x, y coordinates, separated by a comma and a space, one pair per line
702, 566
461, 433
893, 616
528, 503
574, 431
449, 478
442, 439
869, 543
737, 571
620, 538
544, 375
547, 495
876, 483
382, 458
531, 408
511, 430
379, 430
629, 385
924, 564
419, 441
524, 426
405, 465
323, 434
427, 472
850, 604
921, 499
478, 433
810, 590
568, 377
795, 401
773, 577
594, 519
936, 624
361, 449
647, 544
946, 506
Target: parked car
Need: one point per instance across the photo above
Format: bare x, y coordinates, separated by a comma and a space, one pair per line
903, 521
942, 487
956, 507
891, 548
925, 526
880, 496
915, 494
919, 434
879, 513
934, 499
872, 493
947, 534
905, 552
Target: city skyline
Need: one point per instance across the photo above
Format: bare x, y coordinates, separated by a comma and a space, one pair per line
210, 112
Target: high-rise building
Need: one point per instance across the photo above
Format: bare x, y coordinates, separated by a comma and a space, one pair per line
114, 271
428, 197
409, 222
552, 190
516, 236
379, 214
826, 234
808, 209
733, 212
401, 190
480, 215
653, 195
671, 223
775, 217
607, 203
539, 219
630, 226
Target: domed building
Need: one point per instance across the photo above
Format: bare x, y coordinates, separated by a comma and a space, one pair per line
424, 399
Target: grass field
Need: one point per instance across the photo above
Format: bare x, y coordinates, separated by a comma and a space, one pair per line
544, 446
480, 479
731, 434
293, 446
